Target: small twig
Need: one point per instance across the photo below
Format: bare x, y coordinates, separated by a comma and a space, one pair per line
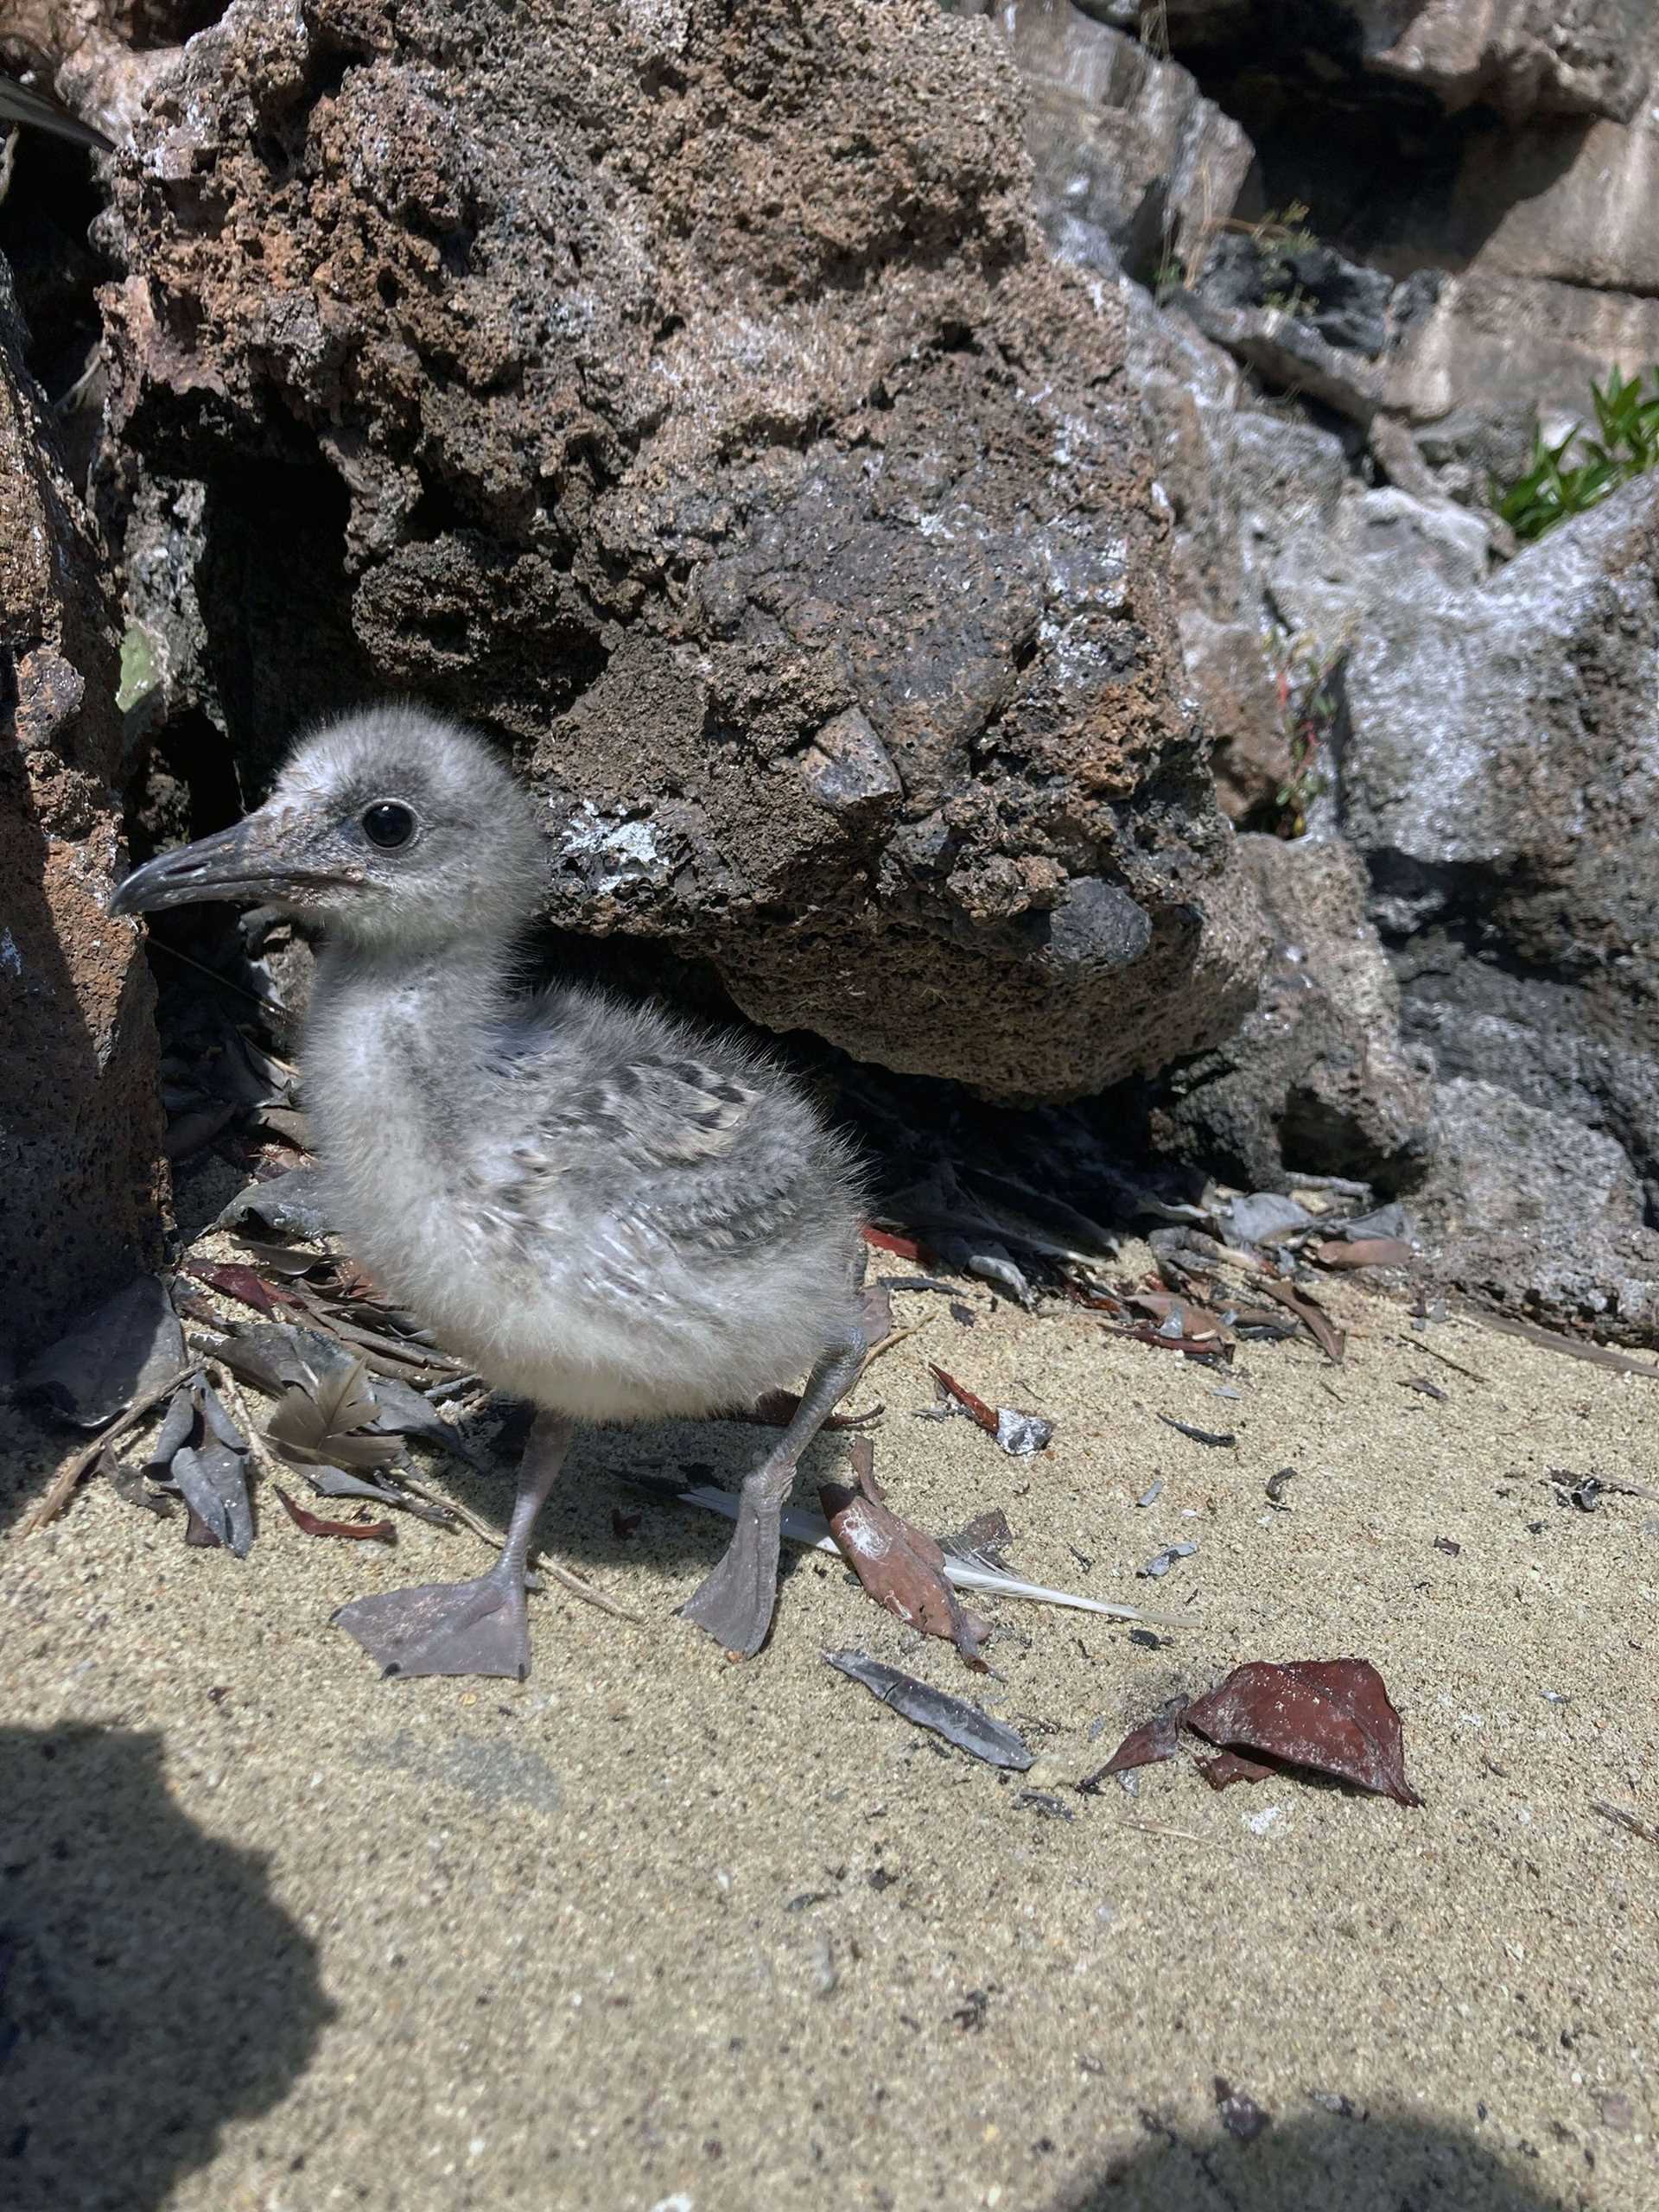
265, 1005
58, 1496
1422, 1343
1180, 1835
586, 1592
464, 1514
1616, 1362
893, 1336
1633, 1821
264, 1458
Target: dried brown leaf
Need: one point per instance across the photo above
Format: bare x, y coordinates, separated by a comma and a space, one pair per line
1333, 1715
1361, 1252
904, 1248
1193, 1347
1144, 1747
240, 1283
965, 1398
776, 1408
372, 1532
1228, 1767
901, 1566
1330, 1339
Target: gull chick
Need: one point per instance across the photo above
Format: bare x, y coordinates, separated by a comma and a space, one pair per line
604, 1212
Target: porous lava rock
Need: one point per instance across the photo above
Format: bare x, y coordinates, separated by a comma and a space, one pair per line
684, 393
80, 1134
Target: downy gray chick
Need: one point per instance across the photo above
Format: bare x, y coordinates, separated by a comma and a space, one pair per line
604, 1212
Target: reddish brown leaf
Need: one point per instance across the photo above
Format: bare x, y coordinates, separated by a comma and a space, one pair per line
1232, 1766
624, 1525
964, 1397
1331, 1714
240, 1283
905, 1248
196, 1530
899, 1567
1143, 1746
371, 1532
1312, 1316
1361, 1252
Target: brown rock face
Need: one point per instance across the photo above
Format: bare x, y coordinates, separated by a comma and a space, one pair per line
684, 393
79, 1112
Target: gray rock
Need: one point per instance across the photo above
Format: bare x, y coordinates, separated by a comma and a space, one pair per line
1525, 58
1314, 1079
1500, 772
1122, 143
1531, 1213
1347, 305
660, 418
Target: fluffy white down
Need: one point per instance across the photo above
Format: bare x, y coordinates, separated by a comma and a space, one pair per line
601, 1317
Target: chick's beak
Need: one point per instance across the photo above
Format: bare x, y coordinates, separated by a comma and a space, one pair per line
256, 860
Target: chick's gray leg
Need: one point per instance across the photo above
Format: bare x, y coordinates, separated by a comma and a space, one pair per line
736, 1604
480, 1627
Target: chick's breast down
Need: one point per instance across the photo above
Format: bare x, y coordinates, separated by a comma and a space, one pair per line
656, 1221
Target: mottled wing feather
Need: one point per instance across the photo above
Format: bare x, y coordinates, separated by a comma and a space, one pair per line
662, 1112
704, 1153
638, 1137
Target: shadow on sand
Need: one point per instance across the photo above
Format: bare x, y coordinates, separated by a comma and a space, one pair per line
1359, 2164
150, 1988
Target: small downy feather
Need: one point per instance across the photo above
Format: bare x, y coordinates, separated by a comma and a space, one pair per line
326, 1425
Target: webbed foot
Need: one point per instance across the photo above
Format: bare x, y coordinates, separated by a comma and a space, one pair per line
736, 1603
480, 1627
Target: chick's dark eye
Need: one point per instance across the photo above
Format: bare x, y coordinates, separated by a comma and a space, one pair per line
388, 824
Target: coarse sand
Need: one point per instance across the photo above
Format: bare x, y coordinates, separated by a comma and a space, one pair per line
657, 1930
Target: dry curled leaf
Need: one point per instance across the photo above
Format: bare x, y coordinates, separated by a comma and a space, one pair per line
1361, 1252
240, 1283
776, 1408
1314, 1318
903, 1247
1332, 1715
1017, 1433
901, 1566
1144, 1747
1329, 1716
1207, 1347
1179, 1318
965, 1398
372, 1532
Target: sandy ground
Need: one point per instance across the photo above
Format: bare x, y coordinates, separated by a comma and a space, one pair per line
653, 1930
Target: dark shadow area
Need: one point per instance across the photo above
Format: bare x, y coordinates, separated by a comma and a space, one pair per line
1341, 2164
151, 1990
45, 220
1385, 174
280, 650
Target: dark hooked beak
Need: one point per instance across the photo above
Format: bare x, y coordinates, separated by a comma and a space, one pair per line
247, 861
